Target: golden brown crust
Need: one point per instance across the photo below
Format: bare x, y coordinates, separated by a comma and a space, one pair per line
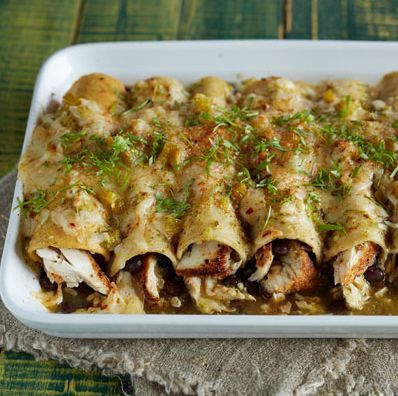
388, 86
292, 272
218, 267
264, 255
366, 254
100, 88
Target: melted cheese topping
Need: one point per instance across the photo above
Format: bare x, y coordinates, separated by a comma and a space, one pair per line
196, 185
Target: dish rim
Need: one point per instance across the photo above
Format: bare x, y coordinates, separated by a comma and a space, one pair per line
293, 323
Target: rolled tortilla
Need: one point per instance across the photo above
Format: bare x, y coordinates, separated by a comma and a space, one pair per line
144, 229
149, 233
75, 219
276, 94
281, 215
213, 90
361, 241
212, 244
87, 110
164, 91
68, 233
387, 186
363, 236
349, 99
104, 90
209, 227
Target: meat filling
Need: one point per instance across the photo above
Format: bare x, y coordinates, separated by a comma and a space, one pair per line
291, 271
353, 262
209, 258
73, 266
156, 275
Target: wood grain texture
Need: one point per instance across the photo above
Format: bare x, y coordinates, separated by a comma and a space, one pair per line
20, 374
30, 31
105, 20
33, 29
207, 19
342, 19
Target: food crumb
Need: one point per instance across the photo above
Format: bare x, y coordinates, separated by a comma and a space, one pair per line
175, 302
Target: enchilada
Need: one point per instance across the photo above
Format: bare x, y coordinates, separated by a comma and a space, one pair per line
271, 196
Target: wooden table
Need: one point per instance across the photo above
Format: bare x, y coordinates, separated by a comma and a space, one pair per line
31, 30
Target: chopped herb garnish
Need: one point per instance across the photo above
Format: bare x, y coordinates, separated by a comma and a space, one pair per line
248, 135
265, 164
355, 171
345, 108
211, 154
302, 135
267, 183
172, 206
394, 172
235, 117
119, 145
41, 198
230, 150
105, 157
265, 144
367, 150
243, 176
304, 116
230, 145
34, 204
322, 179
139, 107
341, 191
329, 179
72, 137
185, 138
220, 150
182, 164
69, 160
312, 202
157, 144
331, 227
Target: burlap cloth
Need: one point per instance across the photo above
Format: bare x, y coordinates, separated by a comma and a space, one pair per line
215, 367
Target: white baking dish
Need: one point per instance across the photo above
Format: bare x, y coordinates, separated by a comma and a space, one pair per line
187, 61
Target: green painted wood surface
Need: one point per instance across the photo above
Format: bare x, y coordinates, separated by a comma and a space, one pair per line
20, 374
31, 30
105, 20
342, 19
208, 19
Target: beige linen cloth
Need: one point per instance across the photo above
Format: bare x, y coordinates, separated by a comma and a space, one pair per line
215, 367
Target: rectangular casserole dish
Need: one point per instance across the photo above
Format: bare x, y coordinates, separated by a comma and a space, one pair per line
188, 61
